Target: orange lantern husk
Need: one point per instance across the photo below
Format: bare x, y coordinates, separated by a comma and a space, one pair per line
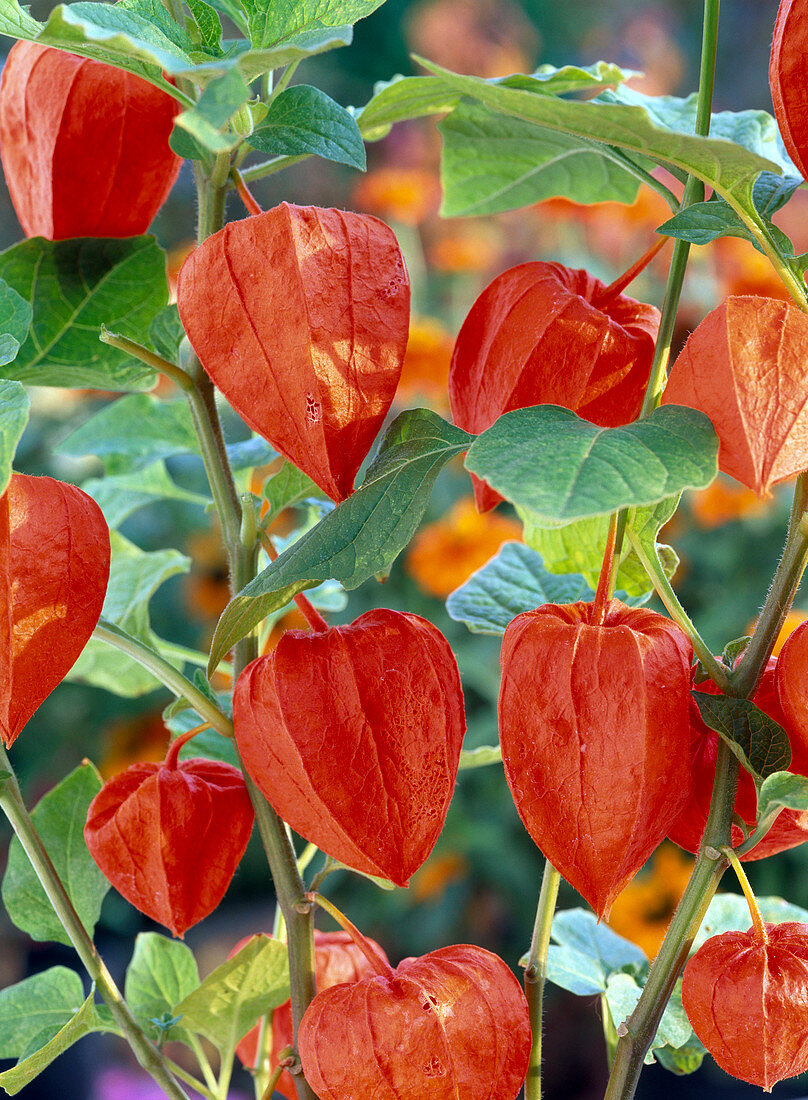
545, 334
354, 734
745, 997
448, 1024
170, 836
595, 739
84, 145
54, 569
300, 315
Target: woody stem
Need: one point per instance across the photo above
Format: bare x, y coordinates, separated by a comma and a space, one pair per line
289, 887
535, 974
147, 1054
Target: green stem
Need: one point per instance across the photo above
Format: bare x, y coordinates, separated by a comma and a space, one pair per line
190, 1080
199, 1051
150, 358
147, 1054
653, 567
694, 192
637, 1033
269, 167
535, 974
165, 673
779, 599
289, 887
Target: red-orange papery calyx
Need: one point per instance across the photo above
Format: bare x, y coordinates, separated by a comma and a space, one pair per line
746, 367
453, 1023
538, 335
300, 315
791, 679
84, 145
354, 735
337, 959
788, 76
789, 829
54, 569
745, 999
595, 739
169, 836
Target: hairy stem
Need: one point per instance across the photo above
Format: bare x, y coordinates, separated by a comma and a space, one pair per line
289, 886
147, 1054
535, 974
637, 1033
165, 673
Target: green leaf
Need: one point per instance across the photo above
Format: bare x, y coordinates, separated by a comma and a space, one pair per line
753, 130
622, 994
17, 22
205, 121
274, 21
166, 333
578, 928
578, 547
513, 581
59, 817
45, 1002
757, 740
296, 48
230, 1000
363, 535
15, 320
408, 97
782, 790
45, 1049
161, 973
288, 486
140, 428
481, 757
206, 27
729, 168
562, 468
74, 287
730, 913
14, 410
703, 222
111, 34
684, 1059
305, 121
490, 164
135, 576
119, 495
573, 970
401, 99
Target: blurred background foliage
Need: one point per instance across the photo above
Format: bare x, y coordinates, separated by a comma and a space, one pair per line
481, 883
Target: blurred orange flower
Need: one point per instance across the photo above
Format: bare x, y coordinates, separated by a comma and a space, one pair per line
425, 374
131, 740
643, 911
207, 590
433, 878
407, 195
792, 620
741, 269
176, 258
723, 501
465, 247
444, 554
478, 37
292, 620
